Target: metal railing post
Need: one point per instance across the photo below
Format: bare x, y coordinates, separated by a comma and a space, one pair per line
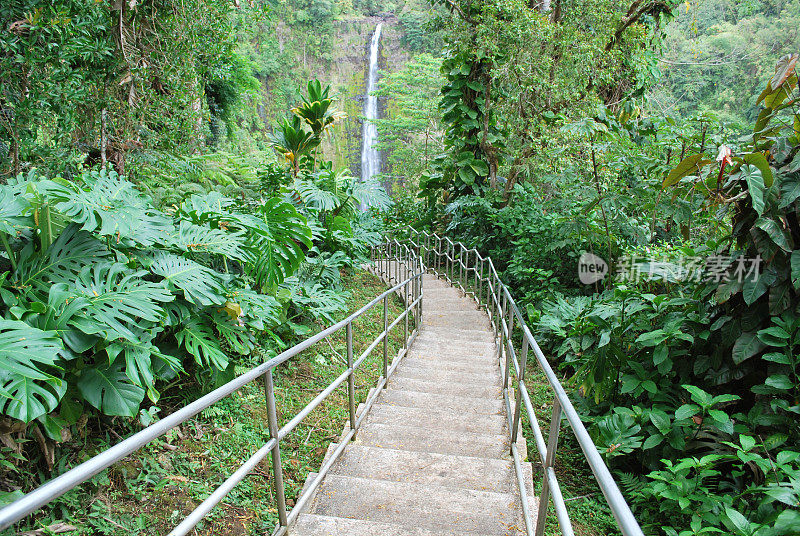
523, 360
408, 309
351, 384
480, 286
552, 443
277, 468
461, 264
385, 339
509, 342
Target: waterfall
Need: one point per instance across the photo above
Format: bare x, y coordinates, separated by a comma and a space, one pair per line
370, 158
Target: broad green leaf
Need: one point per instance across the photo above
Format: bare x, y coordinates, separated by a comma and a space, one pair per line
276, 240
660, 420
752, 289
760, 161
120, 301
110, 206
200, 285
27, 390
776, 233
745, 347
652, 441
62, 262
747, 442
108, 389
755, 186
192, 238
780, 381
699, 395
688, 165
736, 522
685, 411
795, 262
774, 336
200, 341
14, 211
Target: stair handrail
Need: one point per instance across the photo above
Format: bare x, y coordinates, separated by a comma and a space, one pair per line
451, 260
402, 266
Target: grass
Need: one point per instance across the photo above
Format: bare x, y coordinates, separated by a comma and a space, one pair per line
153, 490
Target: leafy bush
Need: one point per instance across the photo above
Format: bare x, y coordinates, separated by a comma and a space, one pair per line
106, 295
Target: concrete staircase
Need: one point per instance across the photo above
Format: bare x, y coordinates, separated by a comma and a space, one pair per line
432, 457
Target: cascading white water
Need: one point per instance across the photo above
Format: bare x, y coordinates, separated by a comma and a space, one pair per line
370, 158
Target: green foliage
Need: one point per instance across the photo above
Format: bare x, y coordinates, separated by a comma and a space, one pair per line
83, 77
98, 306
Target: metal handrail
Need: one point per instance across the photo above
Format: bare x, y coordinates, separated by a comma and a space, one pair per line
480, 279
400, 265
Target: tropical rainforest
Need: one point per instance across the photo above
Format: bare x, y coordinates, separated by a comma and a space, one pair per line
180, 200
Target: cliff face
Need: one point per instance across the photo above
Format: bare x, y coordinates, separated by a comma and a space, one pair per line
340, 59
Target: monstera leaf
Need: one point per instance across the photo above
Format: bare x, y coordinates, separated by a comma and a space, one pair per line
371, 194
13, 211
111, 206
316, 198
142, 358
193, 238
27, 391
108, 389
201, 209
199, 340
200, 285
276, 239
119, 300
61, 262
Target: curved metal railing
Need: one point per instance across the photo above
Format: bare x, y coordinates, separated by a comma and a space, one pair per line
406, 270
476, 274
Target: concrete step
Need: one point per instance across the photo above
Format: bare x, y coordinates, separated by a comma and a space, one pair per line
435, 419
491, 390
447, 351
453, 320
440, 334
462, 404
446, 304
474, 365
485, 379
449, 471
430, 507
317, 525
417, 439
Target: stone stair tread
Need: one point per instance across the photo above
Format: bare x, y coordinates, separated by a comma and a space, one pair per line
475, 365
413, 438
317, 525
446, 470
436, 419
427, 386
464, 404
423, 506
493, 377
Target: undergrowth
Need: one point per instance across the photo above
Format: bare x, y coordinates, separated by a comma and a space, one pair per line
153, 490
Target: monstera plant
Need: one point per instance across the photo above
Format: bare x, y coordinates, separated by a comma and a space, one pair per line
103, 295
